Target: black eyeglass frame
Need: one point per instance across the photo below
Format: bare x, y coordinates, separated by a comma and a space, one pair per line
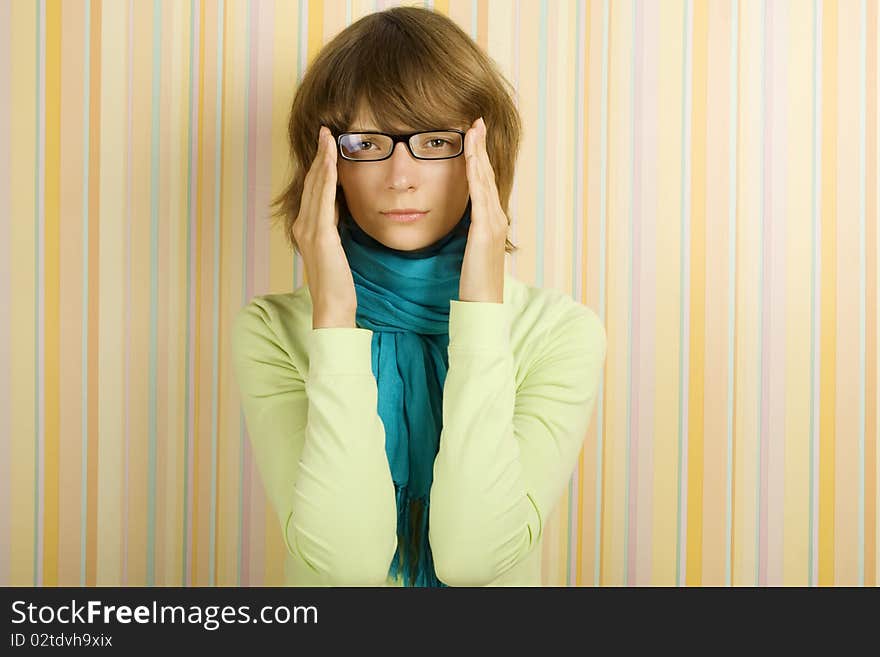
400, 138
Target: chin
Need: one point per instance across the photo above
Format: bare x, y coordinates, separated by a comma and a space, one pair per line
395, 239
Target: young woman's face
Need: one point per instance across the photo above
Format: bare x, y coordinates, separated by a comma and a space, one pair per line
401, 181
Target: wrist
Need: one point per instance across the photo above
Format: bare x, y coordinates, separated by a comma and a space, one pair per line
333, 320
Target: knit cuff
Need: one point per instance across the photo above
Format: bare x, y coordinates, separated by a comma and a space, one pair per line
341, 350
479, 326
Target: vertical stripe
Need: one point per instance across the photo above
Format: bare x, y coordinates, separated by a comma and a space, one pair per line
648, 256
141, 204
24, 44
248, 239
250, 101
528, 91
156, 106
684, 309
715, 257
876, 337
766, 281
84, 311
780, 306
845, 413
235, 171
162, 268
773, 400
39, 308
871, 211
514, 206
70, 290
794, 477
574, 567
547, 177
576, 485
193, 202
215, 305
6, 453
278, 44
566, 118
763, 313
110, 376
860, 522
828, 309
159, 302
748, 374
630, 537
733, 166
872, 445
815, 308
93, 326
61, 448
696, 300
592, 270
51, 257
665, 288
559, 213
621, 135
129, 165
195, 514
202, 510
598, 576
542, 143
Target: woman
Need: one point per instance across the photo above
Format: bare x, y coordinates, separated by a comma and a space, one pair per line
415, 413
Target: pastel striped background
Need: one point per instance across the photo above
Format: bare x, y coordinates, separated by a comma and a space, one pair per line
703, 174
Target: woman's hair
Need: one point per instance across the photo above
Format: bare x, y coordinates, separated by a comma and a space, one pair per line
407, 66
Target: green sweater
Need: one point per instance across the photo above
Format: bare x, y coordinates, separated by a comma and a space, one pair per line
520, 392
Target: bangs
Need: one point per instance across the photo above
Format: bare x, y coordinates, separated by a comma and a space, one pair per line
403, 82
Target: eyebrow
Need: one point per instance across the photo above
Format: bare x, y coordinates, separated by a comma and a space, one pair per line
377, 130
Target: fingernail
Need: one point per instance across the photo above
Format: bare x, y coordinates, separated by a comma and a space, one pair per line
482, 122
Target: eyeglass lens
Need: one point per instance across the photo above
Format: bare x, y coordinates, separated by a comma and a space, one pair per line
426, 145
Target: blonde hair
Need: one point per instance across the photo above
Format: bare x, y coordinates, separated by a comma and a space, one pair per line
421, 69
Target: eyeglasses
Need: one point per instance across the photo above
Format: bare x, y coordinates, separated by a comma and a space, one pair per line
376, 146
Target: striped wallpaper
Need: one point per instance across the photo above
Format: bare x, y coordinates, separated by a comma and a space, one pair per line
702, 174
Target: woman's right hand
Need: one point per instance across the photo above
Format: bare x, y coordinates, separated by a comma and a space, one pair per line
316, 232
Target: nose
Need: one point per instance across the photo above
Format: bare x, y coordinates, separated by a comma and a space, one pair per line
402, 169
400, 147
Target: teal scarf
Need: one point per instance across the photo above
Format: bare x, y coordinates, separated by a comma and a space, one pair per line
403, 297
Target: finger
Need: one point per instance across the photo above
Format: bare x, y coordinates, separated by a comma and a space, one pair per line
329, 178
483, 151
331, 146
315, 195
490, 187
475, 183
472, 156
329, 182
309, 180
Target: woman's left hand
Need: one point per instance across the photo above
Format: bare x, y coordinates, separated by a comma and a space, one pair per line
482, 271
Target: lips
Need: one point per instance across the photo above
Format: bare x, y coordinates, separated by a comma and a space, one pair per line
404, 217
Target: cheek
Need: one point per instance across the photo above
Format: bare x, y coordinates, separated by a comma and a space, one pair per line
451, 176
347, 179
460, 178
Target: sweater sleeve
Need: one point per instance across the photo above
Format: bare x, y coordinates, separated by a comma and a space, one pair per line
319, 445
506, 453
